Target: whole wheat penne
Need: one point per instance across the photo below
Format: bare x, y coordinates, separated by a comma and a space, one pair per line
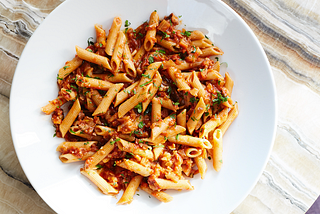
160, 195
135, 167
150, 39
133, 101
233, 113
69, 67
56, 103
196, 34
214, 122
156, 110
107, 99
191, 141
99, 155
113, 34
69, 119
128, 194
128, 62
101, 35
103, 185
155, 86
167, 184
196, 115
124, 94
92, 57
210, 51
117, 53
217, 150
134, 149
114, 78
87, 82
175, 75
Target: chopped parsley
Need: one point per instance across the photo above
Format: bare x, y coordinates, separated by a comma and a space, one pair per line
139, 107
72, 86
146, 75
86, 143
194, 49
186, 33
127, 23
72, 131
161, 51
90, 42
145, 84
220, 98
217, 58
65, 67
114, 141
194, 119
99, 166
159, 145
173, 116
165, 35
193, 100
141, 124
177, 136
151, 59
176, 103
100, 44
58, 78
206, 37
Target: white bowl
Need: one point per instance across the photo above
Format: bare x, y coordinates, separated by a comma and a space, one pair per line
247, 143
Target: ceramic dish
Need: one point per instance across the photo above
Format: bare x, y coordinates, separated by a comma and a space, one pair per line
247, 143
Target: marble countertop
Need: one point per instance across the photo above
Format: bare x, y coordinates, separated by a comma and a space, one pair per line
289, 31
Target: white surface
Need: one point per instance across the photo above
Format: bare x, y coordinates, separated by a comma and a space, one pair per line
247, 144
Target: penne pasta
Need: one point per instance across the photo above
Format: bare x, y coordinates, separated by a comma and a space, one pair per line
103, 185
114, 78
160, 195
124, 94
87, 82
92, 57
233, 113
128, 62
113, 34
166, 184
196, 115
151, 115
217, 149
133, 101
107, 99
155, 86
150, 38
178, 79
214, 122
191, 141
69, 119
134, 149
69, 67
53, 105
135, 167
128, 194
99, 155
117, 53
101, 35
